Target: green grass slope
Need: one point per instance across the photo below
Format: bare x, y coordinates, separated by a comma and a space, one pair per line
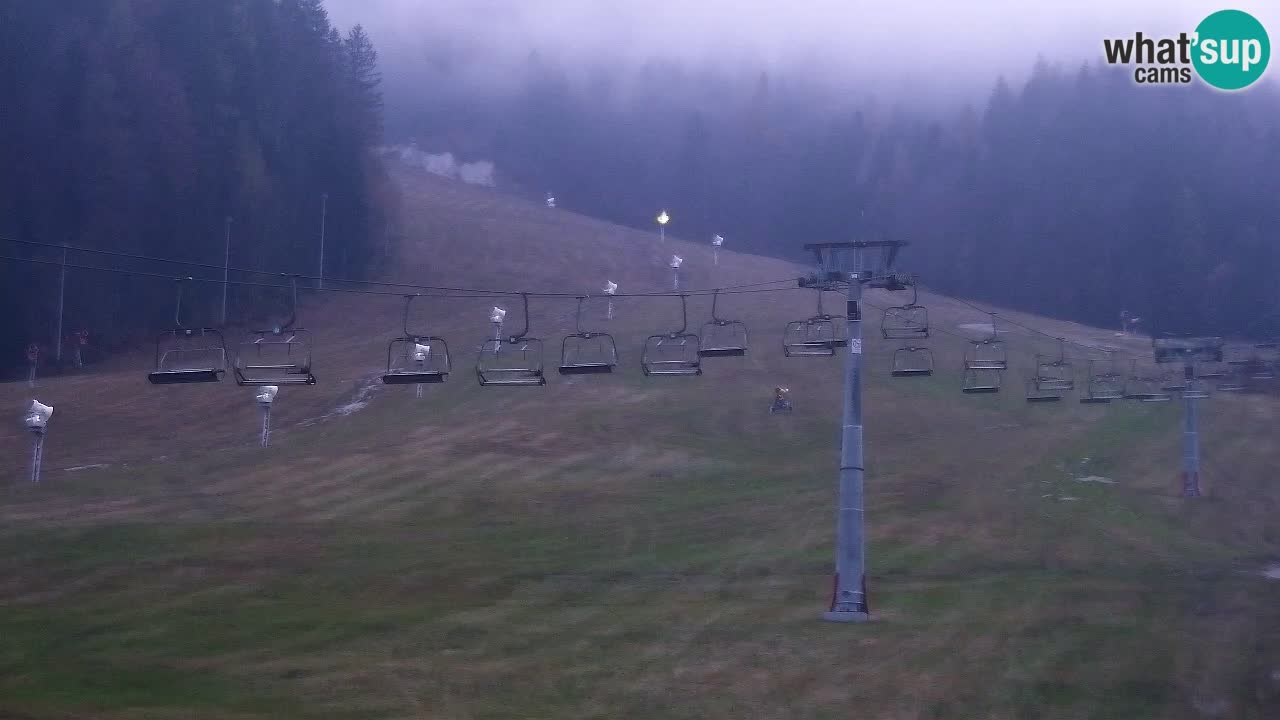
623, 547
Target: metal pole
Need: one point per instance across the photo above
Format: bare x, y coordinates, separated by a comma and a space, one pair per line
1191, 438
266, 425
849, 597
37, 457
675, 278
662, 234
226, 267
62, 295
31, 376
324, 210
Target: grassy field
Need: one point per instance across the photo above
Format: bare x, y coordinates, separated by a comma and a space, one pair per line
622, 547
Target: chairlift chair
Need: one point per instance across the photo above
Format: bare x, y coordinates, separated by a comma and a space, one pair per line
674, 353
1238, 354
515, 360
1196, 390
279, 356
910, 361
720, 337
1042, 390
188, 355
1266, 358
1055, 374
906, 322
416, 358
1232, 383
982, 381
988, 354
1145, 387
1210, 371
586, 352
1174, 381
1103, 384
817, 336
1262, 370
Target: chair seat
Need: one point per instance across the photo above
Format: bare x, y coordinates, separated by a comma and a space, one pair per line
1095, 401
413, 378
809, 349
667, 370
524, 378
982, 390
586, 369
912, 372
288, 380
181, 377
722, 352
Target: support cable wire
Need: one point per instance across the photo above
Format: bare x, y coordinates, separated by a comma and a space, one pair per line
477, 292
1028, 328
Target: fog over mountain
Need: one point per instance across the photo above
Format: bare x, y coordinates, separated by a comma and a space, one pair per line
992, 135
926, 53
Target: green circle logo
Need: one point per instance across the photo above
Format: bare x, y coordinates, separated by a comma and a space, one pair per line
1232, 49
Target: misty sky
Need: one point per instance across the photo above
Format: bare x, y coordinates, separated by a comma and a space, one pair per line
927, 49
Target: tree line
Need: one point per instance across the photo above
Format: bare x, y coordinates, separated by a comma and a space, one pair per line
140, 126
1075, 193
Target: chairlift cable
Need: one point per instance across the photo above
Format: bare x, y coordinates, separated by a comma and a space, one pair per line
478, 292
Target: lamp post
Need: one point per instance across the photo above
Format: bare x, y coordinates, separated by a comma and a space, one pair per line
663, 219
716, 242
62, 297
33, 359
324, 211
226, 265
676, 262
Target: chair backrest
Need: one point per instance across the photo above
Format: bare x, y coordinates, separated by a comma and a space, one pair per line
675, 353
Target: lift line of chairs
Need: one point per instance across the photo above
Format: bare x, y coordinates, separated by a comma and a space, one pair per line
282, 355
277, 356
986, 361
